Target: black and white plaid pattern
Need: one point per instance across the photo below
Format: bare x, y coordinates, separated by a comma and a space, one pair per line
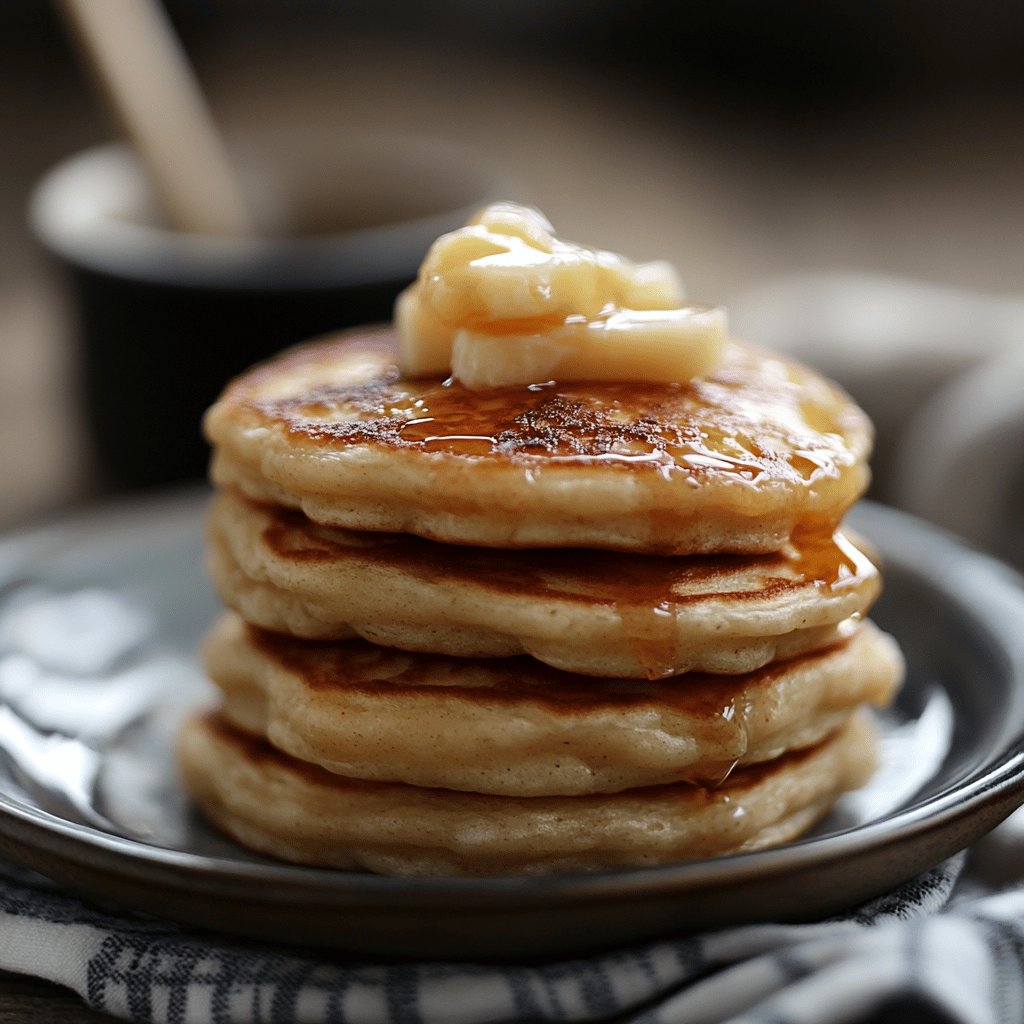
942, 948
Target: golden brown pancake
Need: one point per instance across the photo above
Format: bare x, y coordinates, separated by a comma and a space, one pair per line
518, 728
735, 461
595, 612
279, 805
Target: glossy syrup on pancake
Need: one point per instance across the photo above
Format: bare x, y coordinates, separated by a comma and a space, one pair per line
692, 428
733, 461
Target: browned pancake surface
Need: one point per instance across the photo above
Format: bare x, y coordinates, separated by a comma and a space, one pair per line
333, 428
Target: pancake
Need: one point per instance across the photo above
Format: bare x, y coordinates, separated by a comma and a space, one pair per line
734, 461
297, 812
518, 728
595, 612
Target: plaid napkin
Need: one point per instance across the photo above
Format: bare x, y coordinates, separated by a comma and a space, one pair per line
944, 947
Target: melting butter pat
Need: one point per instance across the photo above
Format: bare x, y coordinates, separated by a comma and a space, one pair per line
503, 301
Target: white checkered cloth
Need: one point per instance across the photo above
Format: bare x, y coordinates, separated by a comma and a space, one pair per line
947, 947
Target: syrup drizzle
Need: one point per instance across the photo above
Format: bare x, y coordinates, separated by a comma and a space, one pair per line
647, 593
754, 419
651, 583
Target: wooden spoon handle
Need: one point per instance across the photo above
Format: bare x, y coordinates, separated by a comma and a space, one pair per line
151, 87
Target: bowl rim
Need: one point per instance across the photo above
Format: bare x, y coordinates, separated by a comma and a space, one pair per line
69, 211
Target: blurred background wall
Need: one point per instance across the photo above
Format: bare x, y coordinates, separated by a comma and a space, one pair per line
742, 140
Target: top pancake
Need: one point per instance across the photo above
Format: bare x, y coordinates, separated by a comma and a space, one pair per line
731, 462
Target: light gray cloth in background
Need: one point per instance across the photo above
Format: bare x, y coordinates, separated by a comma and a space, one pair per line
939, 371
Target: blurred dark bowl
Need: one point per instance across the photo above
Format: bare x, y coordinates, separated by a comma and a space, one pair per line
164, 319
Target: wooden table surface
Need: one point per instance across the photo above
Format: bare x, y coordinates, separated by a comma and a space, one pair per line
930, 193
24, 999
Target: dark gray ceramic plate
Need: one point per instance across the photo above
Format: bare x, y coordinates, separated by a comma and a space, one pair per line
99, 619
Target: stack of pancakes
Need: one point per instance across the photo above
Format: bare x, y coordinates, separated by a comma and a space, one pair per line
538, 628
